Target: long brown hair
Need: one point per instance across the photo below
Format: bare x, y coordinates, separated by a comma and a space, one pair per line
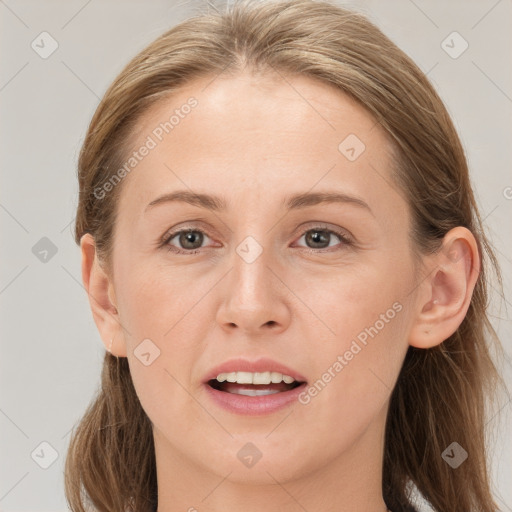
442, 393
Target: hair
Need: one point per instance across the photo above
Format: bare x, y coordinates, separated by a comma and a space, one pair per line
442, 392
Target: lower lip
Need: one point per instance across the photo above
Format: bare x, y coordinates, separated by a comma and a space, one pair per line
254, 405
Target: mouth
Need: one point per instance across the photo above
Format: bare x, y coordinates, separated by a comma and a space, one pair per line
260, 387
254, 384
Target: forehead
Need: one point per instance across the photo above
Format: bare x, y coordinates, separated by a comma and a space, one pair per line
266, 133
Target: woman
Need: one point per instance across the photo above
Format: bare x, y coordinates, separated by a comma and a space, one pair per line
286, 264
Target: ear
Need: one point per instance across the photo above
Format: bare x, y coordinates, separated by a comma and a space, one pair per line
445, 294
100, 290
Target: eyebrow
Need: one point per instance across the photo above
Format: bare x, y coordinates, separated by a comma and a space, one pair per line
294, 202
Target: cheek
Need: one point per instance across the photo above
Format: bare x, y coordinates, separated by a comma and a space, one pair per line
359, 355
157, 301
160, 307
348, 301
159, 316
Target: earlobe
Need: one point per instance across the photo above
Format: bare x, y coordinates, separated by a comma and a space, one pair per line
99, 290
446, 293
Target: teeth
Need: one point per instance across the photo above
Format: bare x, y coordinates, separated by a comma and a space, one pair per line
254, 392
255, 378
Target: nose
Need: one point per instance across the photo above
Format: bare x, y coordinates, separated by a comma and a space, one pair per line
255, 298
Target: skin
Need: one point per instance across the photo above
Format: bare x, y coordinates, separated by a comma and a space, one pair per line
255, 140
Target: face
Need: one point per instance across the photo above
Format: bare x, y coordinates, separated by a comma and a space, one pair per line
318, 291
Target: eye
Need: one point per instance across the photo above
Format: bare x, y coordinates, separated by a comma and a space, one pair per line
319, 236
190, 240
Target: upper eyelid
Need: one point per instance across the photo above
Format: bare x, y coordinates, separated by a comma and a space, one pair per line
314, 224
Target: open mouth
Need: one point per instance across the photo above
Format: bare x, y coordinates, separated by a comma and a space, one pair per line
254, 393
253, 389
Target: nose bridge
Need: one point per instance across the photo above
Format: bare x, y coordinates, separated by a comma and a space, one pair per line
251, 261
252, 253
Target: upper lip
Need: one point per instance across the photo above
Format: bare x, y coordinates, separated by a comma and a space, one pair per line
263, 364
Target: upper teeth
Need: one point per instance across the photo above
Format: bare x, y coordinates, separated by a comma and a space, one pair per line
255, 378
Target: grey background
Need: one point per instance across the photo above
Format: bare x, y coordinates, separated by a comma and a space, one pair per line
51, 352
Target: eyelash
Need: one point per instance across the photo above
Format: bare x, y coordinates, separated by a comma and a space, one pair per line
168, 237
